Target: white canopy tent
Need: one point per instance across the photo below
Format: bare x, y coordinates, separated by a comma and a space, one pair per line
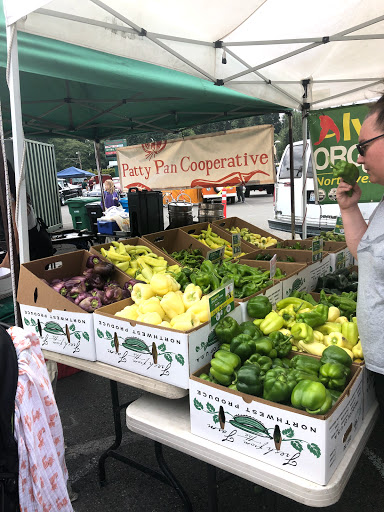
295, 54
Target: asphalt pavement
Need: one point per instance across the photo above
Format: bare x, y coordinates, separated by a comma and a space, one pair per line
85, 408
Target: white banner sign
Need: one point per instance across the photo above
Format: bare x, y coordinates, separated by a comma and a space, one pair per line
219, 159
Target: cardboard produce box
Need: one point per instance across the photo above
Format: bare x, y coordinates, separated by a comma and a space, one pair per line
96, 249
159, 353
340, 255
175, 240
309, 446
314, 270
236, 222
61, 325
195, 229
295, 279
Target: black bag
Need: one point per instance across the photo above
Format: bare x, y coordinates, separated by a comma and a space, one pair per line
40, 243
9, 460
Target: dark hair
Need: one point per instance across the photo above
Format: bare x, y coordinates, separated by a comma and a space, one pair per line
378, 109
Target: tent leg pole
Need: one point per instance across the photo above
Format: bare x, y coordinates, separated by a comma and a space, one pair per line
18, 140
291, 175
305, 107
98, 165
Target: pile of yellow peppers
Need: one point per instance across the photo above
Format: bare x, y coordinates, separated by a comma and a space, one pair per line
138, 261
162, 303
262, 242
337, 330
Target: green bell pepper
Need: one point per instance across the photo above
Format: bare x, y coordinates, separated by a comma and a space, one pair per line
251, 329
264, 362
349, 173
335, 354
202, 279
306, 364
318, 316
311, 396
225, 346
243, 345
250, 289
249, 380
264, 346
226, 329
278, 385
259, 307
302, 331
272, 322
281, 343
205, 376
334, 375
223, 366
335, 395
300, 375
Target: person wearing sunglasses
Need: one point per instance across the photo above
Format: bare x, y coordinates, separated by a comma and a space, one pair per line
366, 243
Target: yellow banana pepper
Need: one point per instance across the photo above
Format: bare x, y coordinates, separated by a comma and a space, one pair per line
314, 348
162, 284
201, 309
357, 351
129, 312
192, 294
150, 318
141, 292
172, 304
333, 314
185, 321
154, 262
152, 305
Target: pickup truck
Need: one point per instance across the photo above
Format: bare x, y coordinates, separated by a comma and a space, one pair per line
67, 191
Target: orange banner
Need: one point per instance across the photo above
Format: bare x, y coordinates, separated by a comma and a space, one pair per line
220, 159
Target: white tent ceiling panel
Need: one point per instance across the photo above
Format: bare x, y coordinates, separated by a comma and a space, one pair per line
282, 39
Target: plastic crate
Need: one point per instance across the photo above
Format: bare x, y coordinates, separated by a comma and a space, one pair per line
78, 211
124, 203
107, 227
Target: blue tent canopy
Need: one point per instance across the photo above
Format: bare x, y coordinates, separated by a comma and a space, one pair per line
74, 172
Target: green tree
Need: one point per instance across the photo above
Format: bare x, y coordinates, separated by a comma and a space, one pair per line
283, 134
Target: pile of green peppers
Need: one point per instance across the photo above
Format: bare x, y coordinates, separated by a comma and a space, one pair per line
257, 364
343, 280
191, 258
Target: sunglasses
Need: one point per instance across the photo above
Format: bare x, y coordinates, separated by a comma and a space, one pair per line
361, 146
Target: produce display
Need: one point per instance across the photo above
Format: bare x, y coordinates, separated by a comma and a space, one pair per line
253, 359
137, 261
95, 288
214, 241
247, 280
296, 245
162, 303
343, 280
329, 236
254, 238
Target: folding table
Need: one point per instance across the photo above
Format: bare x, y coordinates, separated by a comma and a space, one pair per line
168, 422
157, 388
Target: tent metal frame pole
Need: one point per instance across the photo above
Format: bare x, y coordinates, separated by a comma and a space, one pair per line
305, 107
18, 140
378, 82
146, 34
98, 165
292, 176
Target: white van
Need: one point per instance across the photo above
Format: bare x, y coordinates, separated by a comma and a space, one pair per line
319, 217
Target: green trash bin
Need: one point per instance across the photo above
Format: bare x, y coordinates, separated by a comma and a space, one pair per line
78, 210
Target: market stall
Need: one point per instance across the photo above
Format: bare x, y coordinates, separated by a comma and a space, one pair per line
171, 349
